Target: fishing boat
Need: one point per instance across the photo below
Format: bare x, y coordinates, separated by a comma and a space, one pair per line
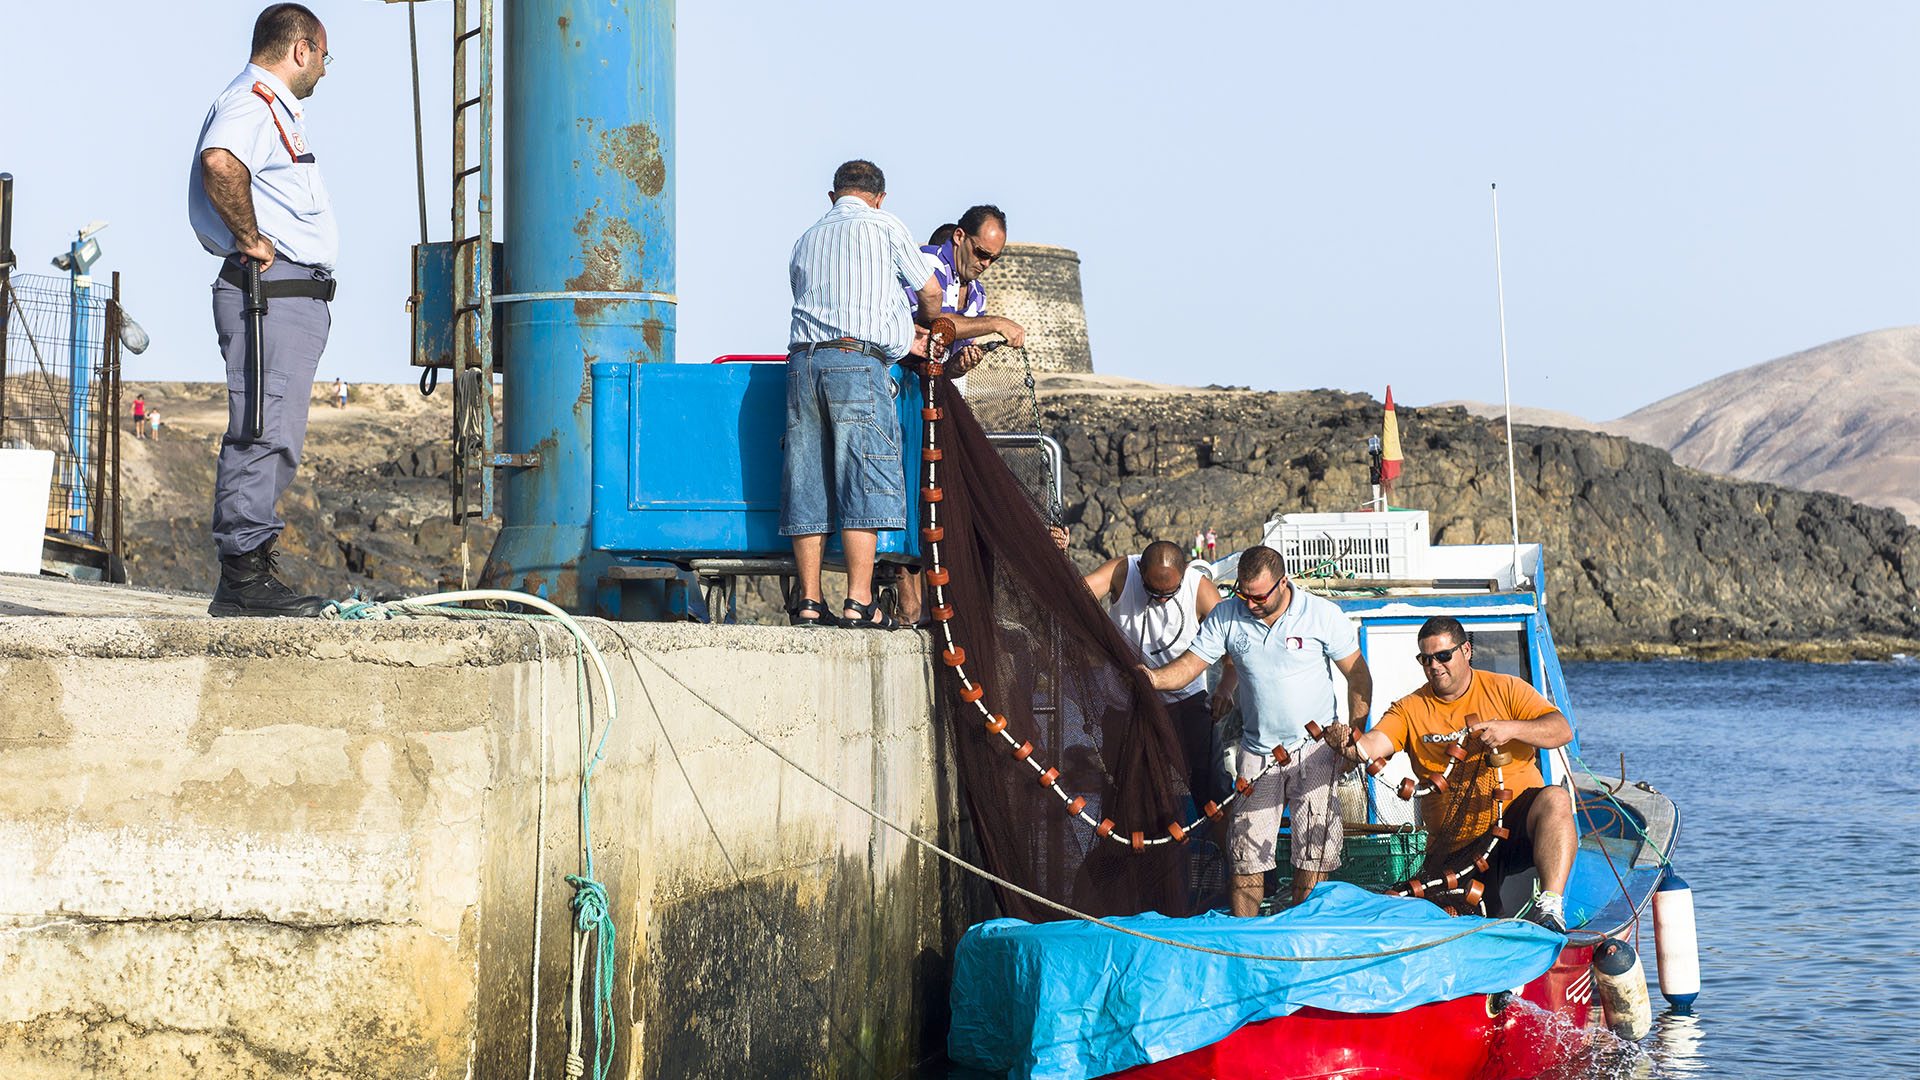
1356, 982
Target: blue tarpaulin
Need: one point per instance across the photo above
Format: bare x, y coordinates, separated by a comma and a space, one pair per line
1068, 1000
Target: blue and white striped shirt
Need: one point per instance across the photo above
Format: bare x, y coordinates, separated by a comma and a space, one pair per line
847, 272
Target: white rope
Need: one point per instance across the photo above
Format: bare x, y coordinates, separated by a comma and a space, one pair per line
539, 863
988, 875
1506, 387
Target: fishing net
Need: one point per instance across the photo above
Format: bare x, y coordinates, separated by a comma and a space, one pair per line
1002, 395
1026, 632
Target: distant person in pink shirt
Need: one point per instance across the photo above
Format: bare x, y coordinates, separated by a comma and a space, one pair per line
1211, 540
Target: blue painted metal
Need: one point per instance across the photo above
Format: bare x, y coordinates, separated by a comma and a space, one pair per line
433, 305
687, 463
79, 387
589, 157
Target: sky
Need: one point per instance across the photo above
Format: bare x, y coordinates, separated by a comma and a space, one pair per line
1277, 195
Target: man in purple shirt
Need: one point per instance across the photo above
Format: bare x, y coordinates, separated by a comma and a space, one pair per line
958, 255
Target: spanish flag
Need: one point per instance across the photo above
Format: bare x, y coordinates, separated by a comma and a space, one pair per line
1389, 446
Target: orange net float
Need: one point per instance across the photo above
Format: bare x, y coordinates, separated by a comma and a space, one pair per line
1139, 841
935, 368
973, 693
1315, 731
932, 412
1417, 887
1078, 804
1376, 766
1104, 829
943, 612
933, 453
1406, 788
1212, 810
1439, 781
939, 577
1503, 796
1241, 786
944, 329
1456, 752
1281, 757
1451, 881
1475, 891
954, 657
1497, 832
1481, 865
997, 724
1179, 834
932, 494
1025, 752
933, 535
1047, 778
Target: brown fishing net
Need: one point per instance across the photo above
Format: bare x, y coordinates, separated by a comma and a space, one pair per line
1068, 682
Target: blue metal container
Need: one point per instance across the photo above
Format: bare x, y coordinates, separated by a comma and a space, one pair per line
687, 461
589, 262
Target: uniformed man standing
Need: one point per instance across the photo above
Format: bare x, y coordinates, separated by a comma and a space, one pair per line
255, 197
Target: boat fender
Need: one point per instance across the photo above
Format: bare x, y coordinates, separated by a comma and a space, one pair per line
1621, 985
1676, 946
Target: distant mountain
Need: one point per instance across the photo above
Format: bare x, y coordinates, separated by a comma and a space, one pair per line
1841, 417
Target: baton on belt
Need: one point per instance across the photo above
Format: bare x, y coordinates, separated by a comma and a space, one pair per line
256, 310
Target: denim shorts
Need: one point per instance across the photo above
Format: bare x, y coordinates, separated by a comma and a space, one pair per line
843, 468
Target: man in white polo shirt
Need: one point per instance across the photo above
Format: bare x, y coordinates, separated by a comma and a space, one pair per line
1285, 644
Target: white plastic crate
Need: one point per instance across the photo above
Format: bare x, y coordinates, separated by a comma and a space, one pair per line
1382, 545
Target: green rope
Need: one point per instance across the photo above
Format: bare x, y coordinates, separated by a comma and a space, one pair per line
590, 916
1625, 814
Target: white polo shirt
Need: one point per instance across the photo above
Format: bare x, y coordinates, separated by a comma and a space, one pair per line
1286, 670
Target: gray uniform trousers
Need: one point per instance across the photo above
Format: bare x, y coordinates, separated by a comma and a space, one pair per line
252, 474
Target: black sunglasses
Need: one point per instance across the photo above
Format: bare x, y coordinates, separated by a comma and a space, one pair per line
1260, 598
1438, 656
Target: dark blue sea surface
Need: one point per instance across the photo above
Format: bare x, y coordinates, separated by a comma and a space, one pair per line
1799, 792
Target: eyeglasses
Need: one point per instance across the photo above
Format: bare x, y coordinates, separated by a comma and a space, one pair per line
1168, 595
325, 56
1438, 656
1262, 597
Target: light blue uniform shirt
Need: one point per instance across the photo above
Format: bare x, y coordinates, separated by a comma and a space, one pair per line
1286, 670
847, 273
290, 202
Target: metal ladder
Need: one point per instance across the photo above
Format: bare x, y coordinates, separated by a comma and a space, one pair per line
474, 456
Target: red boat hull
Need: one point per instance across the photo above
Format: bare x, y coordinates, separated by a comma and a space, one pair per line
1444, 1040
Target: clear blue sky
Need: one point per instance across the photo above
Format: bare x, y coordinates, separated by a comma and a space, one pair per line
1279, 195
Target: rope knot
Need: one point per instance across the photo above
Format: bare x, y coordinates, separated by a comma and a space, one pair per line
589, 903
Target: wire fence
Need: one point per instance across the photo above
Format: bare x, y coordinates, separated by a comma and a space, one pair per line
59, 391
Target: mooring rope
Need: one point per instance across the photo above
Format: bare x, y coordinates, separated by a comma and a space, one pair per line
592, 922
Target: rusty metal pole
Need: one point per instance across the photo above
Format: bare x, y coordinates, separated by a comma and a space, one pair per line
589, 253
116, 551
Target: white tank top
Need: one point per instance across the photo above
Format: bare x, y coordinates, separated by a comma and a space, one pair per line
1164, 630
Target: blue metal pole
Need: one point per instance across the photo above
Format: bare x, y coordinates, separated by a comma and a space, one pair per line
589, 260
77, 387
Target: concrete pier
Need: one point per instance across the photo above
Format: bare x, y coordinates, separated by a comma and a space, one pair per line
300, 848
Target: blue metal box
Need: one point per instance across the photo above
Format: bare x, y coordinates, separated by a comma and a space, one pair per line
687, 461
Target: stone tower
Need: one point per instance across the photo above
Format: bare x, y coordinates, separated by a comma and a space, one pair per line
1038, 286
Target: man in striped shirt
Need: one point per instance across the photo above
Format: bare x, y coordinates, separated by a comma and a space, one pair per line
851, 322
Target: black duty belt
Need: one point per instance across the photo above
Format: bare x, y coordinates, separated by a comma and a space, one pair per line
319, 288
846, 343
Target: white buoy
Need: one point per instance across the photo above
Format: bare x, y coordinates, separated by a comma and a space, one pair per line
1621, 985
1675, 944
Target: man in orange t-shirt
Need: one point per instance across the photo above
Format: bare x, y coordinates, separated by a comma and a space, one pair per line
1496, 710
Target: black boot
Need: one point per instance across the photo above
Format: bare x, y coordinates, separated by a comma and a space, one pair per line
248, 587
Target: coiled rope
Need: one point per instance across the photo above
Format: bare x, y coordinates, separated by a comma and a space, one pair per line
592, 921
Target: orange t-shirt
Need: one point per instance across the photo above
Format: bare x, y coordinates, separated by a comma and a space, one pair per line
1491, 696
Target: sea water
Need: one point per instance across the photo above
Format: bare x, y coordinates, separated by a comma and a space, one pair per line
1799, 794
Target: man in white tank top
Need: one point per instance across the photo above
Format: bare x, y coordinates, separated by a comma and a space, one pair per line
1157, 599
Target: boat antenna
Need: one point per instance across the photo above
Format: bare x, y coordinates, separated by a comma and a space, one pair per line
1506, 385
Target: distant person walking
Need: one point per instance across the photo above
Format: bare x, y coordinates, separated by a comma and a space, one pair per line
255, 198
140, 416
1211, 541
1199, 544
339, 394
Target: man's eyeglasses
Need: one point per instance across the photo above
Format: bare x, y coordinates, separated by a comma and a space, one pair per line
1438, 656
1168, 595
1259, 598
325, 56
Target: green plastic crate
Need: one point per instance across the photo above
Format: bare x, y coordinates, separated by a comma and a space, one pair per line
1373, 856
